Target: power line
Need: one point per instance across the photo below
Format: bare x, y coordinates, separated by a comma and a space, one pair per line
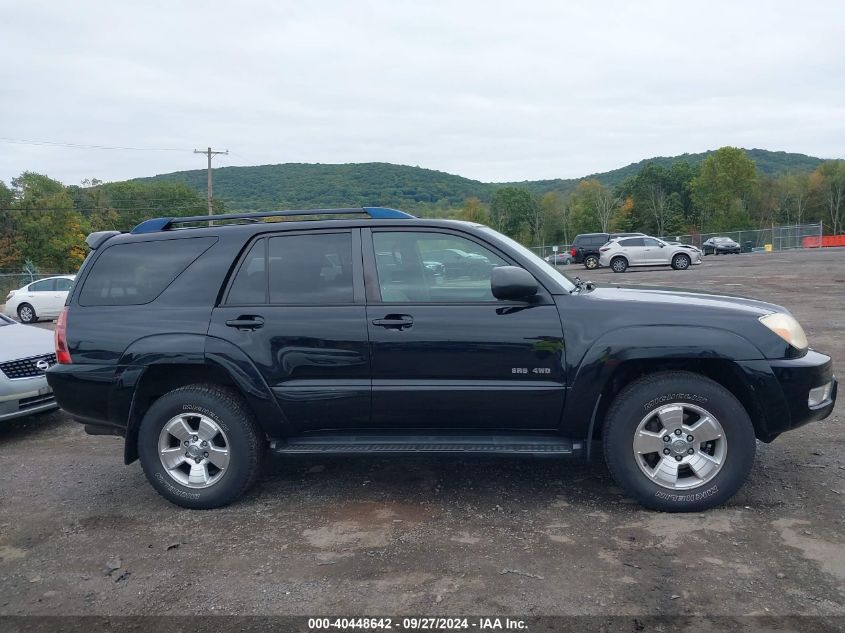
20, 141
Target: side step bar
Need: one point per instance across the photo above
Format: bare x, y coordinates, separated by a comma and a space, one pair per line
356, 443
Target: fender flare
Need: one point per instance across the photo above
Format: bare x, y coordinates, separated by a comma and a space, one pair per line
607, 353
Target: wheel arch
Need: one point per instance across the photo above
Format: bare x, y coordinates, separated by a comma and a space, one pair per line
613, 362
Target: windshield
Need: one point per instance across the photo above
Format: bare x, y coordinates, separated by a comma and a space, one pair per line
568, 286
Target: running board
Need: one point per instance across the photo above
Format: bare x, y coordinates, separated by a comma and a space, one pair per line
356, 443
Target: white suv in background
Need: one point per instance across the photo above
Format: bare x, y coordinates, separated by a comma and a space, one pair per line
42, 299
620, 253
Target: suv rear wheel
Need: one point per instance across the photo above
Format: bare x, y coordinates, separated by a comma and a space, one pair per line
591, 262
678, 442
200, 447
619, 264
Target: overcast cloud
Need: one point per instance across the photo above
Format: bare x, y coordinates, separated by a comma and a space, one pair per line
488, 90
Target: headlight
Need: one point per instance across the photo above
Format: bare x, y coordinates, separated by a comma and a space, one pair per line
786, 327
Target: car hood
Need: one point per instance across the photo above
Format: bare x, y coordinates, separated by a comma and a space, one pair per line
22, 341
688, 298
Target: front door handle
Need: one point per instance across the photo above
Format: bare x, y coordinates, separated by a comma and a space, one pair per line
395, 321
246, 322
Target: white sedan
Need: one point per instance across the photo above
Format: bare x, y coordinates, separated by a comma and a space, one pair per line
620, 253
42, 299
26, 353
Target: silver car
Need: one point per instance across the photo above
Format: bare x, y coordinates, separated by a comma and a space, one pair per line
26, 353
621, 253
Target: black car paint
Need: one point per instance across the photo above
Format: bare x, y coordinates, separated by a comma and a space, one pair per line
459, 366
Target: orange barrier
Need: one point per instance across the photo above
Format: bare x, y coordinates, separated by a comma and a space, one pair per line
815, 241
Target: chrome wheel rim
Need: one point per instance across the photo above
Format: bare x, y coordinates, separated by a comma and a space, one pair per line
26, 314
618, 265
591, 262
680, 446
193, 450
682, 262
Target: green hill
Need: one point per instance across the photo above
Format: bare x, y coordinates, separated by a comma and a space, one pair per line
306, 185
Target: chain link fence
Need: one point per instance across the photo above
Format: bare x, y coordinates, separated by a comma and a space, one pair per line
776, 238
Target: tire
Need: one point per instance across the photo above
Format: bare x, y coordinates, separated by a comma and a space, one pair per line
591, 262
619, 264
205, 408
26, 313
681, 261
668, 392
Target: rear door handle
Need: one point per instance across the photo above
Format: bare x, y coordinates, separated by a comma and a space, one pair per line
246, 322
395, 321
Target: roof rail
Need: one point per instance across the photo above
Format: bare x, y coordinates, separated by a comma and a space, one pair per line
163, 224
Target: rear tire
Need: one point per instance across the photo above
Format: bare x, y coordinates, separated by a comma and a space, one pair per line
681, 262
218, 430
26, 313
652, 408
619, 264
591, 262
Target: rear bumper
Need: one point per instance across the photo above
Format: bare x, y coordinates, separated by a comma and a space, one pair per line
783, 391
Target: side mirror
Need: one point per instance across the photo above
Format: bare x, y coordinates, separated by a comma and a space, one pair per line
512, 283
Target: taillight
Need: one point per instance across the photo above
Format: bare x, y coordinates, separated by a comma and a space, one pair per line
604, 249
574, 252
62, 352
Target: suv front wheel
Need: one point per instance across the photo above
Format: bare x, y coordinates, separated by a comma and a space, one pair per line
678, 442
200, 447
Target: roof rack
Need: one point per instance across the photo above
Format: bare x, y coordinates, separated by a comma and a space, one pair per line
164, 224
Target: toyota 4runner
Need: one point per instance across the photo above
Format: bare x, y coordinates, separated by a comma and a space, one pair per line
339, 331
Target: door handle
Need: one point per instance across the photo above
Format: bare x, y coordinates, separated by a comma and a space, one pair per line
246, 322
395, 321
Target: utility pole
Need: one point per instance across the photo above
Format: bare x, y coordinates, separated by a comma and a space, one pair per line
209, 152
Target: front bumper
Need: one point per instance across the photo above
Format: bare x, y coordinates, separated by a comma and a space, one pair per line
26, 396
783, 390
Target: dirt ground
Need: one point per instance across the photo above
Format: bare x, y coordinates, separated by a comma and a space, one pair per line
80, 533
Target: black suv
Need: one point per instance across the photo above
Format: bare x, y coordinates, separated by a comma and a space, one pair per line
585, 247
207, 347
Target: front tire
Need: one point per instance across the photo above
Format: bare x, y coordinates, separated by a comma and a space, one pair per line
26, 313
200, 447
709, 451
619, 264
681, 262
591, 262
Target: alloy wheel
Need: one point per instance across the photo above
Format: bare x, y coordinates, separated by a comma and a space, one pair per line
193, 450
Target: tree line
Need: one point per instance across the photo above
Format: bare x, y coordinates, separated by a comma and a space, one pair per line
43, 223
725, 192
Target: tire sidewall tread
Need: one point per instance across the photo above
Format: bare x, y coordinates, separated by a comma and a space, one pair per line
635, 400
227, 409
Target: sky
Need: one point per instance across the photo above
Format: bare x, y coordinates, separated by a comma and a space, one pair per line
495, 91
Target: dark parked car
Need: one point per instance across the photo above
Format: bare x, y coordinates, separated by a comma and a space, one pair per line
720, 246
585, 247
208, 347
559, 259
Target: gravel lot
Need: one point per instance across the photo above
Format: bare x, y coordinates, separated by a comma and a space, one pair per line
82, 534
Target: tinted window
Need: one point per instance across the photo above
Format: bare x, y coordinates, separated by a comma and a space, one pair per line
63, 284
250, 284
137, 273
631, 241
650, 241
313, 269
46, 285
433, 267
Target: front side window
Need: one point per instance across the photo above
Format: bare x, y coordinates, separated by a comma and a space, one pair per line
45, 285
433, 267
310, 269
650, 241
63, 284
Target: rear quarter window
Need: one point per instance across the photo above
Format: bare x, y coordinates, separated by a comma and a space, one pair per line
137, 272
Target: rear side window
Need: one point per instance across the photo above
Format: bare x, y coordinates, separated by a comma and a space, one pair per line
138, 272
631, 241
